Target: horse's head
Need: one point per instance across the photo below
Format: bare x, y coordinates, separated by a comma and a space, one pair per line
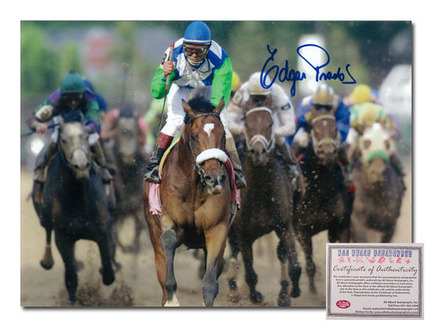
325, 135
127, 139
74, 146
205, 139
375, 145
259, 134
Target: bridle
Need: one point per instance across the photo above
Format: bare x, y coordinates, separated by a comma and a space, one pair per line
326, 140
62, 153
250, 142
213, 153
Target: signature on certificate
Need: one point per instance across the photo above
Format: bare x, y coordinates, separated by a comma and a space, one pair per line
285, 74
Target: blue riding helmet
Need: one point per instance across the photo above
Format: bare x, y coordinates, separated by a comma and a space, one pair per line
197, 33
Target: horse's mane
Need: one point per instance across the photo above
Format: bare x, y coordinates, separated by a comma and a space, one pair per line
200, 102
74, 116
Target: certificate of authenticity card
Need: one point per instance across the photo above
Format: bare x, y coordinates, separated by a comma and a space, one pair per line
374, 280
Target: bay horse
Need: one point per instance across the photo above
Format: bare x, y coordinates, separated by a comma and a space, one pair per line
267, 205
130, 165
326, 204
74, 203
379, 189
196, 197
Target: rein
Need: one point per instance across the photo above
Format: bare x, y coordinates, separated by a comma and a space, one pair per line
250, 142
214, 153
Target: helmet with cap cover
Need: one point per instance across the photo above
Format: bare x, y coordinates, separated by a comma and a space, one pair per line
72, 83
197, 33
254, 86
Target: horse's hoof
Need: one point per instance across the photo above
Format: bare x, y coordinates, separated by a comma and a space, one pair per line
47, 265
295, 292
256, 297
108, 276
284, 300
233, 296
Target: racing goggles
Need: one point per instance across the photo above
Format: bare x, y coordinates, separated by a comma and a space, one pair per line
198, 51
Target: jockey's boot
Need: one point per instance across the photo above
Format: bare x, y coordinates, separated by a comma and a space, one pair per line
151, 174
240, 180
396, 163
42, 159
295, 176
102, 162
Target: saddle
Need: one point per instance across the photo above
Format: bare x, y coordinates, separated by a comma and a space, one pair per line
154, 192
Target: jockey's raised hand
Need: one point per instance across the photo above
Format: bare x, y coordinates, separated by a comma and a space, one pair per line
168, 68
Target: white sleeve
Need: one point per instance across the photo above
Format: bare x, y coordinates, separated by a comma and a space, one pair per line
235, 114
284, 110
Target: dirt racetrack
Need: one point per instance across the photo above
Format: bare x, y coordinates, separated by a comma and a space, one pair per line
136, 283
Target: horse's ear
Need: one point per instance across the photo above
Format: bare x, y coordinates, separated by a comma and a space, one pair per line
188, 109
220, 106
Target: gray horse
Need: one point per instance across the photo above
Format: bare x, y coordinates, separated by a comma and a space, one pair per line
74, 204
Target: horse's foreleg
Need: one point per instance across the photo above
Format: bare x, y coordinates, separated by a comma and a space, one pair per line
233, 293
250, 275
305, 240
47, 261
105, 250
66, 249
287, 253
215, 244
168, 240
388, 234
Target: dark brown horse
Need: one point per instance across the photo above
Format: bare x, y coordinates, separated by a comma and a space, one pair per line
74, 204
130, 164
326, 205
195, 196
267, 205
379, 189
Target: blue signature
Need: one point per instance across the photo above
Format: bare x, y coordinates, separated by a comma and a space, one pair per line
285, 74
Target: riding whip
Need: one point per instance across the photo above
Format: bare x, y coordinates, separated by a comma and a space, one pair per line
170, 55
32, 132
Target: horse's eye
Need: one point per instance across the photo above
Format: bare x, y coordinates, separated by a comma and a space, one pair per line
367, 143
63, 141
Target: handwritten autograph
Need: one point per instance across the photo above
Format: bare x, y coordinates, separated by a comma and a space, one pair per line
285, 74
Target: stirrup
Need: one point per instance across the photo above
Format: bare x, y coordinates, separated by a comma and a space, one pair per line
240, 180
152, 176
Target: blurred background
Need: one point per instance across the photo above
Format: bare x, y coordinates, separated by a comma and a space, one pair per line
120, 58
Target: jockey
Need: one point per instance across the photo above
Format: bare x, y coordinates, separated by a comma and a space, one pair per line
282, 114
324, 99
110, 123
366, 114
197, 61
72, 95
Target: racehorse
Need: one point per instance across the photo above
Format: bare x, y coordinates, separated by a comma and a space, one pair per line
130, 165
325, 205
74, 203
267, 205
379, 189
196, 197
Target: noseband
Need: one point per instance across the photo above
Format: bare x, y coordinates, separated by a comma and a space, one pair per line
213, 153
62, 154
250, 142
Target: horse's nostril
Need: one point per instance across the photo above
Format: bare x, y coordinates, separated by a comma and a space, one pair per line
76, 166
